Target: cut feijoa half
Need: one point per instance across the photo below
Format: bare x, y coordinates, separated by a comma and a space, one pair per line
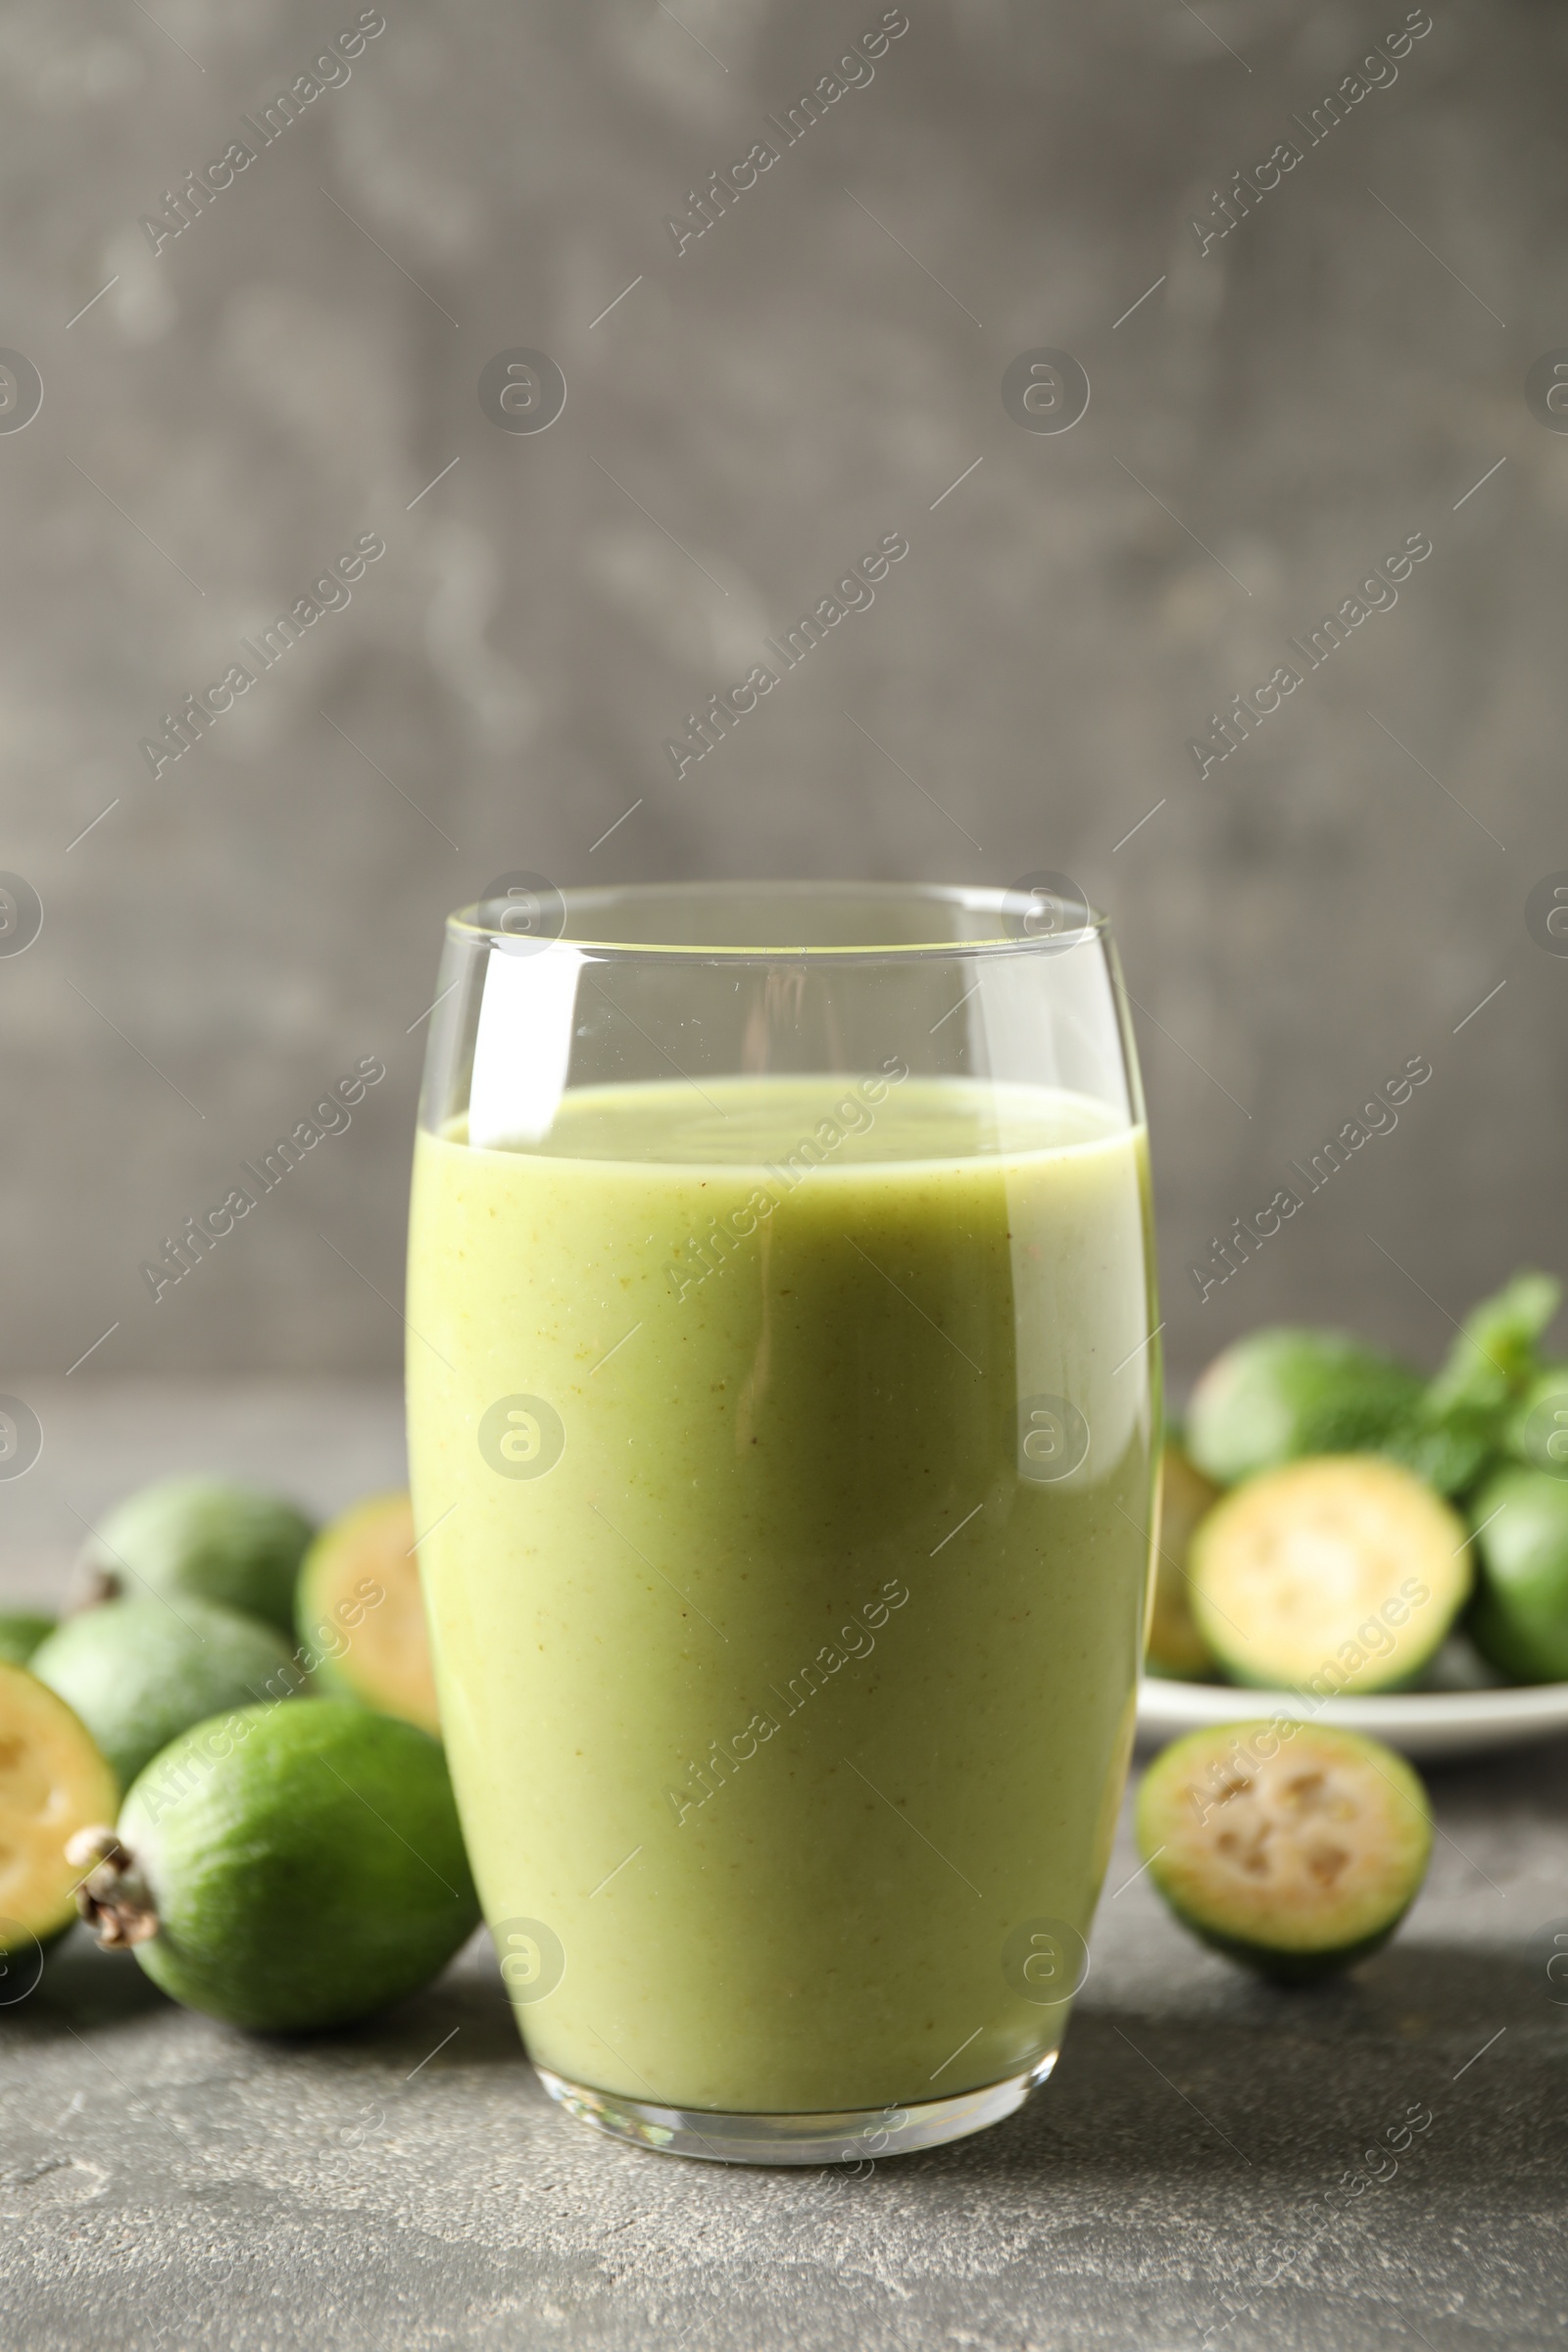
287, 1868
1340, 1574
53, 1782
360, 1612
208, 1536
139, 1672
1175, 1647
1288, 1846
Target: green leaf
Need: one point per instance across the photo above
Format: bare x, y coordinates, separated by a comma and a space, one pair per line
1496, 1351
1449, 1450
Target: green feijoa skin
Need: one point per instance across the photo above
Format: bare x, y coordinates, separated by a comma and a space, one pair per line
1175, 1647
1343, 1573
53, 1783
1287, 1392
1293, 1849
291, 1868
139, 1672
1538, 1428
1519, 1621
20, 1631
204, 1535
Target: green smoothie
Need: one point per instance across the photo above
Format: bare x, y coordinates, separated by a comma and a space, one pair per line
786, 1448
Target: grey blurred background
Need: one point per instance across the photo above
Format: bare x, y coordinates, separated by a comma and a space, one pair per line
820, 369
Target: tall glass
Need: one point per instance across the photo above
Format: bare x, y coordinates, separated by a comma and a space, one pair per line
783, 1408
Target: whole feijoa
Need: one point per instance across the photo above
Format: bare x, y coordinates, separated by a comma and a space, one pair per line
1519, 1620
139, 1672
289, 1868
209, 1537
1287, 1392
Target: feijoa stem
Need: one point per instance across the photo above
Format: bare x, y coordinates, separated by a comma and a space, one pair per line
93, 1587
113, 1897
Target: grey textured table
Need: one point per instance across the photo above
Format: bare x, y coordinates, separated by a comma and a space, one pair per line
165, 2184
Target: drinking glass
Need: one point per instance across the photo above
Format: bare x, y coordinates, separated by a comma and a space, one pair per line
783, 1414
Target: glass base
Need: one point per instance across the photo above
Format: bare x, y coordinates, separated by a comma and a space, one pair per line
854, 2135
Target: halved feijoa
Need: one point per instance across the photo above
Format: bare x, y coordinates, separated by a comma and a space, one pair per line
1175, 1647
1339, 1574
1287, 1392
209, 1537
1520, 1617
20, 1631
138, 1672
289, 1866
1289, 1847
53, 1782
360, 1613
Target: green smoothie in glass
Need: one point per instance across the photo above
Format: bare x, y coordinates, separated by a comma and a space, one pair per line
785, 1444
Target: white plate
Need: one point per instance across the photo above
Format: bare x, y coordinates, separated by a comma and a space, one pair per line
1428, 1724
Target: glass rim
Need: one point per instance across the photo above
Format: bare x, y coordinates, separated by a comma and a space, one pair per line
465, 925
